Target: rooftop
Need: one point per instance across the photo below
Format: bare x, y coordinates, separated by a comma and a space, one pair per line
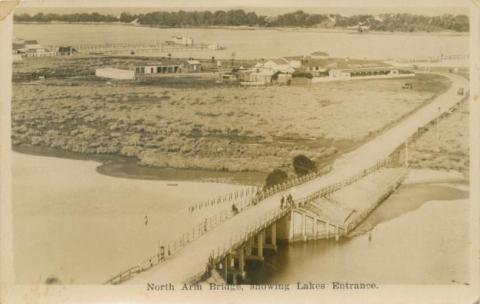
279, 61
343, 63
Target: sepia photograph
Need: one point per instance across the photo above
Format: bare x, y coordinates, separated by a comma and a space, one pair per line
240, 147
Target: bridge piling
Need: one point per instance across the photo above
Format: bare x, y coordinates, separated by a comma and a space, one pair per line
241, 262
273, 238
304, 227
260, 241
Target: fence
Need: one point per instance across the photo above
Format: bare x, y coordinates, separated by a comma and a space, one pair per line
240, 239
177, 244
231, 197
377, 197
209, 223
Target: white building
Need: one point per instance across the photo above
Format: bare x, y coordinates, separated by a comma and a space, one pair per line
113, 73
277, 65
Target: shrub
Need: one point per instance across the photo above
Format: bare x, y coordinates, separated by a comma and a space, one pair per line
275, 177
52, 280
303, 165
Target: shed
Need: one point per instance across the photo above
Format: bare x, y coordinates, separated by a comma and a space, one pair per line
264, 76
193, 65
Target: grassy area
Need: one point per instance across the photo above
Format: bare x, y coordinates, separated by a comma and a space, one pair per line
444, 146
186, 123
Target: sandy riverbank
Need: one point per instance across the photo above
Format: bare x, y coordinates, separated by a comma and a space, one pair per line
419, 187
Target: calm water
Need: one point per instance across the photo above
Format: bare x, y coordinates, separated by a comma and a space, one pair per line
428, 245
255, 43
83, 227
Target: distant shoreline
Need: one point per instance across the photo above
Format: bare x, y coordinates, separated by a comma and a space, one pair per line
254, 28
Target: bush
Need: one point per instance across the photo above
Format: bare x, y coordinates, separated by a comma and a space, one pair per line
303, 165
275, 177
52, 281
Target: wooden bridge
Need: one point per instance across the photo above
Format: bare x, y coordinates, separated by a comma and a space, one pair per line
310, 207
112, 48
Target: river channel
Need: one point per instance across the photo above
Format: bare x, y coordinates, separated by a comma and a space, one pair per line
84, 226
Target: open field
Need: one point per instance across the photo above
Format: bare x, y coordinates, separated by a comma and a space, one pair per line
218, 127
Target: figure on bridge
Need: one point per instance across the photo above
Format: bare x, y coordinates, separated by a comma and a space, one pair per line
290, 201
234, 209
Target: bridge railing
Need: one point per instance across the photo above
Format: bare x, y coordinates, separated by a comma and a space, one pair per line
238, 240
211, 222
242, 194
172, 247
379, 195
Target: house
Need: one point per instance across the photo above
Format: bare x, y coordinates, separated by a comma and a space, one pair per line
66, 51
157, 69
277, 65
113, 73
373, 72
227, 76
363, 72
262, 77
193, 66
18, 48
244, 74
30, 48
284, 79
318, 68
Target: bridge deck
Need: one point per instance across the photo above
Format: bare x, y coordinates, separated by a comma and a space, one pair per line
193, 258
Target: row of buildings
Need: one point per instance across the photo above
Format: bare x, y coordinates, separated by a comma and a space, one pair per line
150, 70
319, 68
22, 48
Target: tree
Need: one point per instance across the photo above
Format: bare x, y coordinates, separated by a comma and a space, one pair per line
303, 165
275, 177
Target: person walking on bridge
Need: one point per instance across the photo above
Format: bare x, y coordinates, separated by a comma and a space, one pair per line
234, 209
